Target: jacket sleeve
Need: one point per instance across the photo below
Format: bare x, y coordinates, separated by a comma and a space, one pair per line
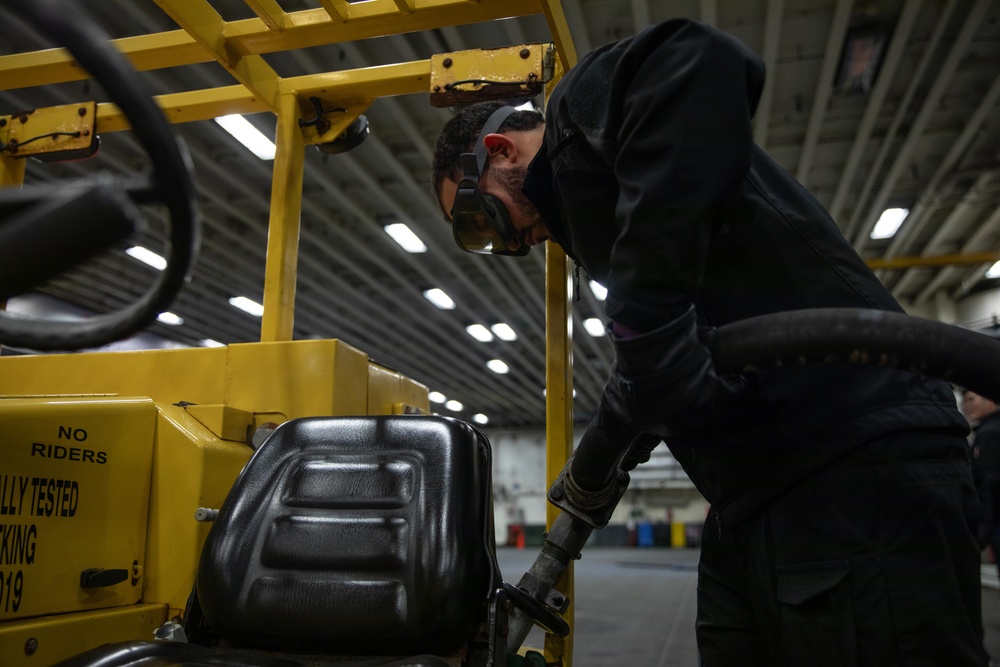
681, 99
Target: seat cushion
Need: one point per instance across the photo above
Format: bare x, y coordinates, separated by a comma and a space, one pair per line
367, 534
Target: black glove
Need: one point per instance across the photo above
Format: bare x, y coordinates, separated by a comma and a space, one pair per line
663, 382
640, 450
607, 445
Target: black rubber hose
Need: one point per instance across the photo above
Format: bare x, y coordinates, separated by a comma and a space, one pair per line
859, 336
824, 335
172, 174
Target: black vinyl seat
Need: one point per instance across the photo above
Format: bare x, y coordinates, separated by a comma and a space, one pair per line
353, 536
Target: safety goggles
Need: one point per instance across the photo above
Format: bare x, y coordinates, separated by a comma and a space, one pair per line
480, 221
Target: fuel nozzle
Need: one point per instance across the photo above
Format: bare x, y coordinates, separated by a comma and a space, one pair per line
591, 483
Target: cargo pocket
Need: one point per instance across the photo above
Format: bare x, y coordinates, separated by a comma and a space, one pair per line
817, 621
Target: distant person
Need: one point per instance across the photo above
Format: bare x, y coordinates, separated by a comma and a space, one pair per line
984, 417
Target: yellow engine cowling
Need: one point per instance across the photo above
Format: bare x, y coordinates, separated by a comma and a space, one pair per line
105, 458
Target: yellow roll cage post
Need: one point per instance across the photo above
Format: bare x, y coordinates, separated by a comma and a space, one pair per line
223, 398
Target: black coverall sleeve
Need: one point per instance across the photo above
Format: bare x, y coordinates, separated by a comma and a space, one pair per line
684, 139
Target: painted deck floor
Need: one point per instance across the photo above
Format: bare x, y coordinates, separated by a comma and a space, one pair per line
636, 606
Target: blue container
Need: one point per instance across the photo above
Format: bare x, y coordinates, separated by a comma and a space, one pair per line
645, 534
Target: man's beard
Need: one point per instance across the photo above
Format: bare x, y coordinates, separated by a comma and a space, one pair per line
511, 179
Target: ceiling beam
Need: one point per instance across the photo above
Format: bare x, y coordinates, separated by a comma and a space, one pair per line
918, 217
772, 46
945, 77
824, 88
876, 100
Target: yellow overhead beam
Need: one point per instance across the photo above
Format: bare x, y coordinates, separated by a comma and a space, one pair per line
348, 88
145, 52
357, 85
336, 21
375, 18
337, 9
269, 11
201, 20
188, 107
934, 260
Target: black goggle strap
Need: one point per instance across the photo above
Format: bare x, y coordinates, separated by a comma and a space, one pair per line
474, 163
493, 124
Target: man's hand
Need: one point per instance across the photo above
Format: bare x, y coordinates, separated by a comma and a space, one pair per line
640, 450
663, 382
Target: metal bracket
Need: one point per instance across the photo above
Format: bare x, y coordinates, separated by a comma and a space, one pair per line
479, 75
594, 508
51, 134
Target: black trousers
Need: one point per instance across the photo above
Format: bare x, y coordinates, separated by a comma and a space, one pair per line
872, 561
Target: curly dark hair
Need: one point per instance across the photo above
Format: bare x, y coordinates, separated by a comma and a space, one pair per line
460, 133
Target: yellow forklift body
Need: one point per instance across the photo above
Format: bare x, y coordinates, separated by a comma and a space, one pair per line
46, 640
106, 457
74, 499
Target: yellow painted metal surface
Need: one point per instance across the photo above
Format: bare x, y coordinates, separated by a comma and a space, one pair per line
336, 21
934, 260
358, 86
338, 10
463, 77
298, 379
67, 127
192, 468
364, 20
194, 375
390, 392
225, 422
46, 640
283, 230
74, 481
295, 379
203, 23
11, 171
556, 18
145, 52
205, 401
558, 413
189, 106
269, 11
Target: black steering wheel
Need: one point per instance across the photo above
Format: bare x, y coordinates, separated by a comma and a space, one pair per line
49, 210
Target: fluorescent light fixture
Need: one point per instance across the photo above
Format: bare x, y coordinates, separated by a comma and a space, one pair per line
454, 405
211, 342
147, 256
497, 366
439, 299
436, 397
480, 418
545, 392
599, 290
527, 106
247, 305
405, 237
170, 318
994, 271
889, 222
479, 332
503, 331
594, 326
248, 135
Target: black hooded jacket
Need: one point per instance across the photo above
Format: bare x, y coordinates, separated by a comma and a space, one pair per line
649, 179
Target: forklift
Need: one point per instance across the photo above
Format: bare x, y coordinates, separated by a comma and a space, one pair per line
292, 502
